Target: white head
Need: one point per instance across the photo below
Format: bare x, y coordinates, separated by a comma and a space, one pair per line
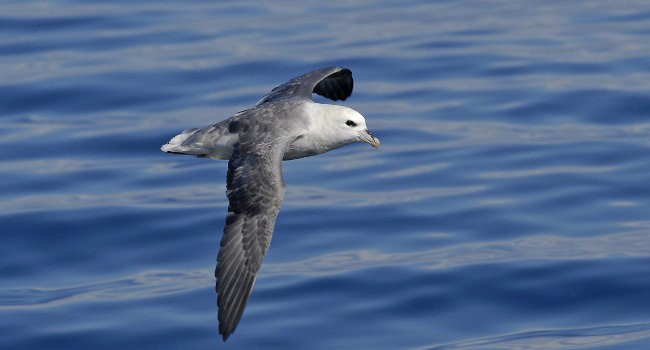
347, 126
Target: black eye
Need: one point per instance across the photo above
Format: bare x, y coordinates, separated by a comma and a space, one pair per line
350, 123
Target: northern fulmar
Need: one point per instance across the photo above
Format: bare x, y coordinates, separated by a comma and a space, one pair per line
285, 124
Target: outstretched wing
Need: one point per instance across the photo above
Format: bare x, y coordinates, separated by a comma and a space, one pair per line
255, 189
334, 83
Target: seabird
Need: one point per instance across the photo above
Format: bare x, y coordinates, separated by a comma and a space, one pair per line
285, 124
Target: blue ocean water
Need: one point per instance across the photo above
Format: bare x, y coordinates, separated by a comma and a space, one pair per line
508, 207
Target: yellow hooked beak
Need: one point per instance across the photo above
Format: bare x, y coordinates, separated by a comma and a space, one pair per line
367, 137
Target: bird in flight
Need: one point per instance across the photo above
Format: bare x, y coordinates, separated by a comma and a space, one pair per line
285, 124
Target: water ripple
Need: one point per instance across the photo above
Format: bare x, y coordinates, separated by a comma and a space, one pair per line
212, 196
143, 285
575, 338
545, 247
507, 207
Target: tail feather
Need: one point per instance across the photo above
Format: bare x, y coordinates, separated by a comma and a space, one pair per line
175, 145
212, 141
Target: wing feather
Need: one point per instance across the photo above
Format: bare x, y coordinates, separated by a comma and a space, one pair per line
255, 190
335, 83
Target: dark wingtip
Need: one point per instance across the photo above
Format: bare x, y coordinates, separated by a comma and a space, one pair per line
225, 331
225, 336
336, 86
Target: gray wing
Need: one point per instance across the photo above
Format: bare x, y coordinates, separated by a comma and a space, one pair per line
255, 189
334, 83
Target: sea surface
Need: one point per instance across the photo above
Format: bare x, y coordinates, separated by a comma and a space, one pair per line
507, 208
